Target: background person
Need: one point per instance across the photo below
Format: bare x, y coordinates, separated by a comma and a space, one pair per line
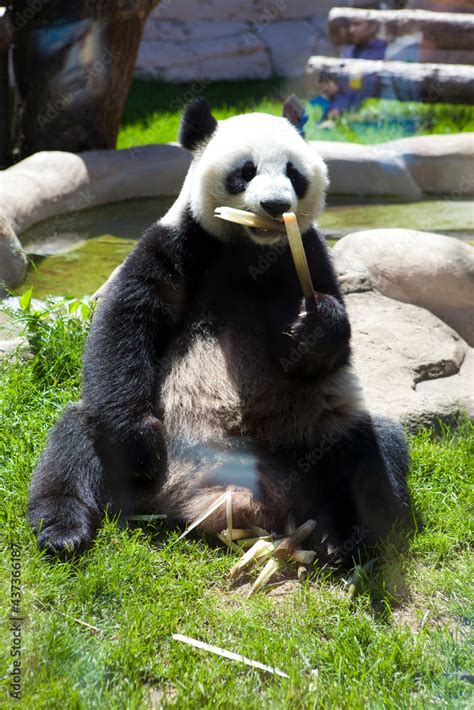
366, 45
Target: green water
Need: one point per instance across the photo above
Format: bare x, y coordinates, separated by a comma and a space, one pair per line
454, 218
73, 254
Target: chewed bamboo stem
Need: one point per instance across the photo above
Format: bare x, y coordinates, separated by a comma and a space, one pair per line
249, 219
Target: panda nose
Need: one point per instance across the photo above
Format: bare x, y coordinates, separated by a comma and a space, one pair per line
275, 208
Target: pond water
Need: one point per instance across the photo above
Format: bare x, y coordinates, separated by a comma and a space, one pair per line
73, 254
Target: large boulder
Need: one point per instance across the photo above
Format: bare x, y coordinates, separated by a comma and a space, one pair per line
367, 170
411, 365
53, 182
13, 261
441, 165
424, 269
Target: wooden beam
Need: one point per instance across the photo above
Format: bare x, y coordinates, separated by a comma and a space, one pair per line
446, 30
432, 83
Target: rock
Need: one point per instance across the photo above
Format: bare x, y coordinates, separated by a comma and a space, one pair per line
220, 39
428, 270
441, 165
160, 30
257, 11
411, 365
191, 10
367, 170
10, 338
13, 260
54, 182
239, 56
290, 43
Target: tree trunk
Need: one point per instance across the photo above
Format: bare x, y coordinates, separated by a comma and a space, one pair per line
73, 63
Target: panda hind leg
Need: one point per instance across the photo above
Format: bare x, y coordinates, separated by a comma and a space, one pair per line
66, 493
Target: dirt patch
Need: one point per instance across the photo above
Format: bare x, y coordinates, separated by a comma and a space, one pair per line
160, 697
416, 616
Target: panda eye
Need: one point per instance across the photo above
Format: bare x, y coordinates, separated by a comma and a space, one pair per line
298, 180
238, 179
248, 171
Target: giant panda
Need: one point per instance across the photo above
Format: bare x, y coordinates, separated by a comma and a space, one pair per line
206, 370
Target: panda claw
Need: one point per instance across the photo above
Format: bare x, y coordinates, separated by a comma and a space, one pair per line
64, 542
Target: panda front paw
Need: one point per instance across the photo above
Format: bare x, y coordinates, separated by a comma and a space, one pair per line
319, 337
306, 329
336, 550
65, 540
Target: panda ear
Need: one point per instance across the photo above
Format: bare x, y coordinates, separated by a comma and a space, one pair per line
293, 110
197, 124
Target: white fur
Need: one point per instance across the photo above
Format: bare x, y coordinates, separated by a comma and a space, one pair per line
269, 142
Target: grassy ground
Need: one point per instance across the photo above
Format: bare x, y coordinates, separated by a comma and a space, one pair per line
153, 109
403, 642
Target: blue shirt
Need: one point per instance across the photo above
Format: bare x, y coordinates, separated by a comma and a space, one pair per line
353, 91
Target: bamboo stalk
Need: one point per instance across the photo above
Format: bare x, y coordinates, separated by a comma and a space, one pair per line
230, 543
228, 654
212, 508
267, 573
259, 552
298, 254
248, 219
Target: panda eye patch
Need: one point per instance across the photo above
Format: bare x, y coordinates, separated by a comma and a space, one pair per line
238, 179
298, 180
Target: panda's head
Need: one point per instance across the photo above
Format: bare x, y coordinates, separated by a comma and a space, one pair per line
253, 162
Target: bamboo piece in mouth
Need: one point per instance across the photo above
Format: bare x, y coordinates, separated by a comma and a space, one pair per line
298, 254
249, 219
289, 224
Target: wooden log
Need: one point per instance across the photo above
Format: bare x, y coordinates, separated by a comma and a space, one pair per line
434, 55
432, 83
445, 30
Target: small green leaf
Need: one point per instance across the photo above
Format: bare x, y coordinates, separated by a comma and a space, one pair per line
25, 300
73, 305
85, 310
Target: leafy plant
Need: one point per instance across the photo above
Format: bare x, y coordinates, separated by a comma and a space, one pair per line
55, 330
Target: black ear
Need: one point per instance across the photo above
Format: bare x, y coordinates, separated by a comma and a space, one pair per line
197, 124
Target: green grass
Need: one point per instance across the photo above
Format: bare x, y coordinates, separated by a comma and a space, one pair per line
399, 644
153, 110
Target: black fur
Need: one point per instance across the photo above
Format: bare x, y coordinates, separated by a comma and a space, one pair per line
298, 180
197, 124
237, 180
110, 449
